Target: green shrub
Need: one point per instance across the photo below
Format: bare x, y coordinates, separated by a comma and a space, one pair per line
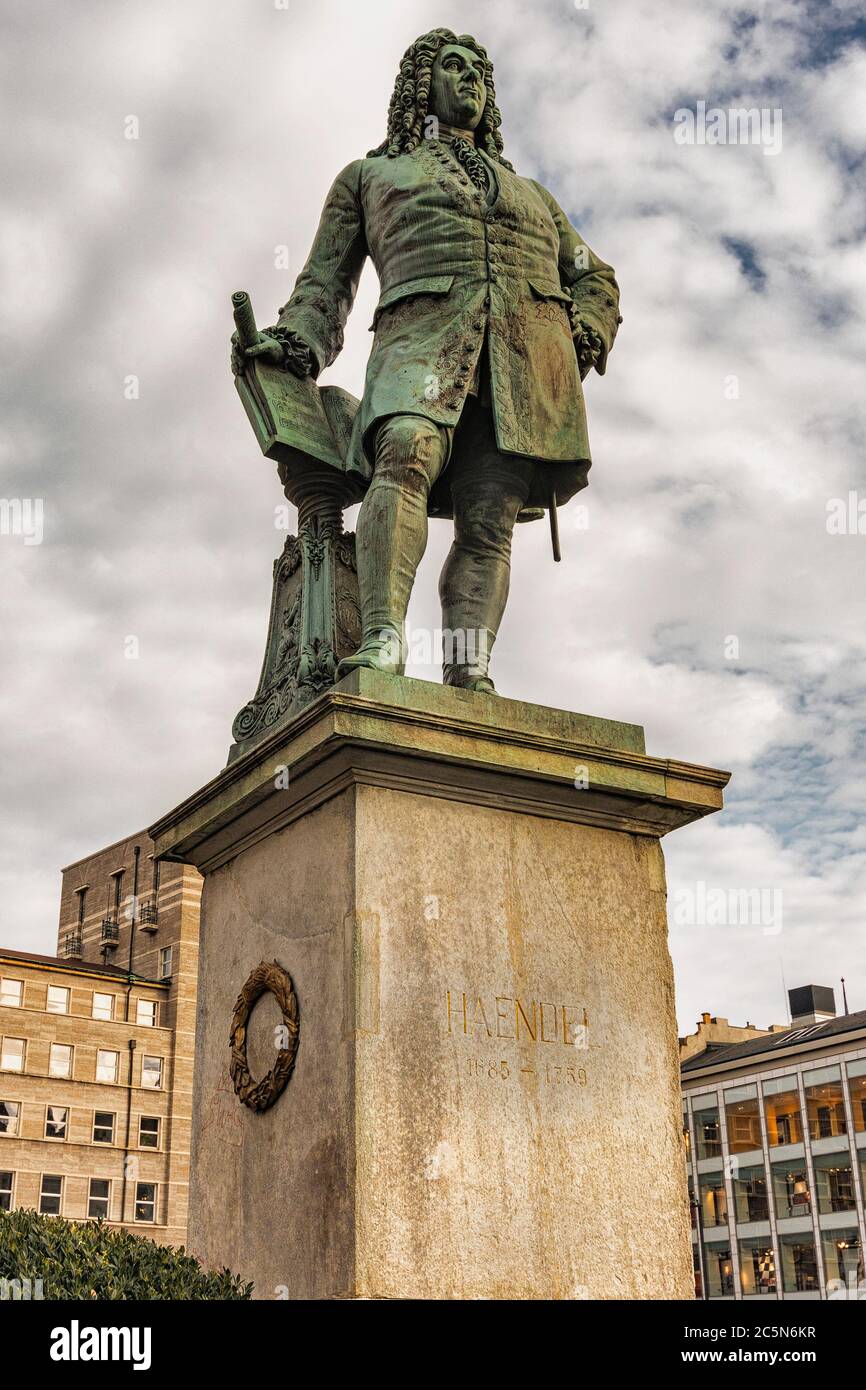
91, 1261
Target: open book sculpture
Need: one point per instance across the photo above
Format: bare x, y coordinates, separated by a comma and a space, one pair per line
315, 616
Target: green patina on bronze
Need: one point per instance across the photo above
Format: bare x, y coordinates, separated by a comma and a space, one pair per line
492, 310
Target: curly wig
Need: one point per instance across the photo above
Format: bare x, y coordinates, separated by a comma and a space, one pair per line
410, 100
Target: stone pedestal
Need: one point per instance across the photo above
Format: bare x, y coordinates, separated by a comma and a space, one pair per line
469, 896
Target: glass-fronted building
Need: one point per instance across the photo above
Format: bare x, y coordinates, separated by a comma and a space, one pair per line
775, 1134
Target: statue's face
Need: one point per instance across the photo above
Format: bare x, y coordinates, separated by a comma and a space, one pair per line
457, 91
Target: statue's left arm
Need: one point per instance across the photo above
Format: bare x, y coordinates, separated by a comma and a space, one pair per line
324, 292
592, 285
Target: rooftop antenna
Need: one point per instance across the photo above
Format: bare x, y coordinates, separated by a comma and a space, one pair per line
844, 996
785, 989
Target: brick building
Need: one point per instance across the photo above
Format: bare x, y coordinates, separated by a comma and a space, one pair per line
96, 1048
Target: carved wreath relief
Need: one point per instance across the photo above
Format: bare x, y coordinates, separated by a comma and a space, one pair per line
260, 1095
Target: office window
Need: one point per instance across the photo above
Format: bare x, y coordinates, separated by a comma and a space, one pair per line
103, 1127
148, 1132
834, 1182
145, 1012
13, 1053
843, 1256
791, 1190
857, 1087
743, 1119
99, 1198
6, 1181
799, 1264
782, 1109
165, 957
11, 993
750, 1193
151, 1072
51, 1194
714, 1202
825, 1108
107, 1064
56, 1121
103, 1006
60, 1060
145, 1201
707, 1134
757, 1266
58, 999
720, 1269
10, 1116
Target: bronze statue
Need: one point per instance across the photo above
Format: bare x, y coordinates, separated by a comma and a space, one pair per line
492, 311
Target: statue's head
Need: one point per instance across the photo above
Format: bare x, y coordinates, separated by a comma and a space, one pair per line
448, 76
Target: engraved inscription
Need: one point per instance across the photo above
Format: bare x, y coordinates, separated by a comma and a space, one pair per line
533, 1021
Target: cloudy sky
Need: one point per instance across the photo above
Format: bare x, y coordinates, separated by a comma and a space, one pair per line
706, 600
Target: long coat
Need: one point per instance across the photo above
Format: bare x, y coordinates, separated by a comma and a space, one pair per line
456, 265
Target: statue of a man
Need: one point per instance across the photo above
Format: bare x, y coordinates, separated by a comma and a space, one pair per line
492, 310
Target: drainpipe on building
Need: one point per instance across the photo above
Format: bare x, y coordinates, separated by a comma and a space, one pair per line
131, 1045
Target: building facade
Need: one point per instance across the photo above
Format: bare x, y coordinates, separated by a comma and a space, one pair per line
775, 1132
96, 1048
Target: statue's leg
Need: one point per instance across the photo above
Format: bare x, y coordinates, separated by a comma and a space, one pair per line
488, 489
391, 535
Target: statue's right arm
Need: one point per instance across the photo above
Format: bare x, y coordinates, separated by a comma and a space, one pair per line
325, 290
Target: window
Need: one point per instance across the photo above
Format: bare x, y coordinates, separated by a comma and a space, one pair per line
56, 1121
51, 1194
857, 1086
11, 993
145, 1012
782, 1109
6, 1191
791, 1189
58, 999
834, 1182
103, 1006
82, 899
145, 1201
148, 1132
117, 880
165, 963
714, 1202
720, 1270
107, 1064
99, 1198
743, 1119
757, 1266
13, 1054
707, 1135
750, 1194
799, 1267
843, 1258
10, 1115
60, 1060
151, 1072
103, 1127
825, 1107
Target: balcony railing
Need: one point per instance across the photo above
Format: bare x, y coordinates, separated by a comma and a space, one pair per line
72, 947
147, 917
110, 933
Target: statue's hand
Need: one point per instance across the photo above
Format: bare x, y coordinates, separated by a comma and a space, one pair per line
267, 348
278, 345
588, 346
